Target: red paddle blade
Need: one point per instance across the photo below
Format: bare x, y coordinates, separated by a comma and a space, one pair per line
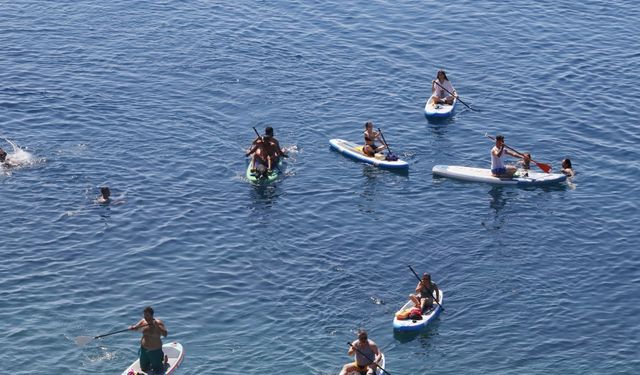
546, 168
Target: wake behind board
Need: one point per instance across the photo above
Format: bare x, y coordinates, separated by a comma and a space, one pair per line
174, 353
439, 110
522, 178
354, 151
409, 325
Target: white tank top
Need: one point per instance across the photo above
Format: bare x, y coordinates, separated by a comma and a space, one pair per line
496, 162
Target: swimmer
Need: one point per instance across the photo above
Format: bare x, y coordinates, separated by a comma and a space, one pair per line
105, 194
567, 168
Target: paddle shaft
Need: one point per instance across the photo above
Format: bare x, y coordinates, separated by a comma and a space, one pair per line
367, 357
420, 280
456, 96
113, 333
385, 141
545, 167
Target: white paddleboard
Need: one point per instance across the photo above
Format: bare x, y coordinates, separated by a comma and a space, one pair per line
438, 110
174, 353
522, 178
354, 151
408, 325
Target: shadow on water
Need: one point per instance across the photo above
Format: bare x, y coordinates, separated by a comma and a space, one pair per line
424, 335
498, 200
500, 196
441, 121
264, 195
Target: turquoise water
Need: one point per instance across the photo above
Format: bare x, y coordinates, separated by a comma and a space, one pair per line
157, 101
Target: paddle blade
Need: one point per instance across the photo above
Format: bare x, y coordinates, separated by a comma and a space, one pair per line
546, 168
83, 340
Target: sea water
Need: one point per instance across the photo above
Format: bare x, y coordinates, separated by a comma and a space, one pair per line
157, 100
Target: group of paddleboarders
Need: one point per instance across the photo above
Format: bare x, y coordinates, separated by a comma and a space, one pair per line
500, 169
444, 93
266, 153
367, 354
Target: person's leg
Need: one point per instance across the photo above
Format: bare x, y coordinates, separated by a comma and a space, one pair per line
156, 357
415, 300
371, 369
144, 360
349, 367
511, 170
449, 100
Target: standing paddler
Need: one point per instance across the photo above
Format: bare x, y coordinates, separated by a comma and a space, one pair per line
151, 355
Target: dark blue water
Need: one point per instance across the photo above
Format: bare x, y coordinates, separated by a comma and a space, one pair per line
157, 101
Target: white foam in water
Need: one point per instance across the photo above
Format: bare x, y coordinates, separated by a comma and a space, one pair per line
18, 157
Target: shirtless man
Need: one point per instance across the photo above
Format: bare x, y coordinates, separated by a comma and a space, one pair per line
273, 146
151, 356
426, 290
262, 161
365, 351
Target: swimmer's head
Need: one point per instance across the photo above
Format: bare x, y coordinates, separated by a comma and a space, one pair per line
3, 155
105, 192
268, 131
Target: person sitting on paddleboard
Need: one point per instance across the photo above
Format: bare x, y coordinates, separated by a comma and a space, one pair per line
370, 147
151, 355
365, 351
567, 168
261, 158
425, 292
439, 88
498, 167
525, 163
273, 146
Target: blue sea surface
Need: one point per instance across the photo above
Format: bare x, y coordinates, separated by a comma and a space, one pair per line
157, 100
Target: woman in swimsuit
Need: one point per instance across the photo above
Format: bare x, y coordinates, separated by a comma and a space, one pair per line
370, 147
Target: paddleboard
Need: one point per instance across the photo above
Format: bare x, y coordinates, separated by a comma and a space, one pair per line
254, 178
409, 325
438, 110
382, 364
174, 353
522, 177
354, 151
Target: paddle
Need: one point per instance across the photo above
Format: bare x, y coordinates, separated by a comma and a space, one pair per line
419, 279
367, 357
84, 340
452, 94
546, 168
390, 154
